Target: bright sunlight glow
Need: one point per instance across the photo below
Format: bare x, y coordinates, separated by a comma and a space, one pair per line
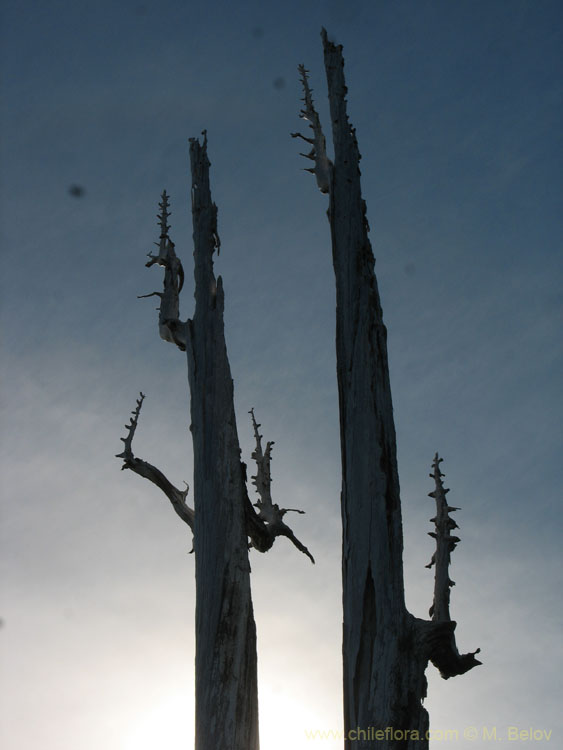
167, 726
289, 720
285, 721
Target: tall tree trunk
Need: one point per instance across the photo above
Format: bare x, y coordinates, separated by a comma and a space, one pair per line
226, 681
385, 649
226, 672
383, 667
223, 519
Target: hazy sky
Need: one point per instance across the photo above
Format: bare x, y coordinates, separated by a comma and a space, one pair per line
457, 106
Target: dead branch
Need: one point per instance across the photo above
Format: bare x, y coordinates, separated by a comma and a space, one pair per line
169, 325
148, 471
323, 165
444, 654
268, 511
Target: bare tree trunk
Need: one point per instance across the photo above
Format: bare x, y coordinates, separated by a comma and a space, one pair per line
223, 519
226, 681
385, 649
383, 665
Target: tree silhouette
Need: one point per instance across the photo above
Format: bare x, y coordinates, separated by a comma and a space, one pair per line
385, 649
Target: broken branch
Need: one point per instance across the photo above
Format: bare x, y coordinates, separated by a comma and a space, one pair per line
444, 653
268, 511
148, 471
323, 165
170, 327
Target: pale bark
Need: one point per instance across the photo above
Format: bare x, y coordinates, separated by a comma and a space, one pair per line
226, 680
385, 649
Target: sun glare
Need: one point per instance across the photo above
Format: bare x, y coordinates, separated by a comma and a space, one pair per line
286, 721
167, 726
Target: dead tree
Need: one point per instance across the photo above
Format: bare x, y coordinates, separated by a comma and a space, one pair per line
223, 521
385, 649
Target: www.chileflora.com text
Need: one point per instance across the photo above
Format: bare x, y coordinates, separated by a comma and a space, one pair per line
487, 733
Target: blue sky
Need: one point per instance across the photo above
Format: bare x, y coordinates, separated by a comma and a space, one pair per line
458, 110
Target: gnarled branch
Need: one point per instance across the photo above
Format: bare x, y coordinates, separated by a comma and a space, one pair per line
444, 654
268, 511
445, 545
148, 471
169, 325
323, 165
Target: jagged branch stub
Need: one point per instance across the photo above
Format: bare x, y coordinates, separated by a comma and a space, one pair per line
323, 166
445, 655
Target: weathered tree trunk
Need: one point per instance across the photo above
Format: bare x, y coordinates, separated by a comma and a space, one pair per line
383, 662
385, 649
226, 714
226, 672
224, 519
